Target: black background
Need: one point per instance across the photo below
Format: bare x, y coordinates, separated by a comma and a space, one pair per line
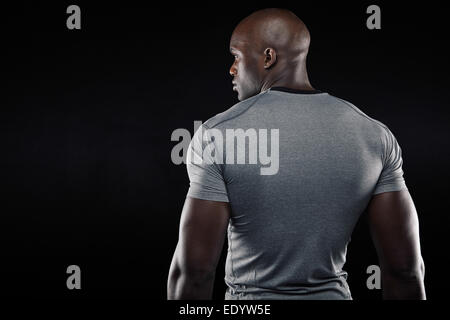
87, 116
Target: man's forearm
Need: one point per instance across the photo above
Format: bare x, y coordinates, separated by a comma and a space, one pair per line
397, 287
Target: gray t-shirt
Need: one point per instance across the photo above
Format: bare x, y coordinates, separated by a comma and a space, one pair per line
289, 228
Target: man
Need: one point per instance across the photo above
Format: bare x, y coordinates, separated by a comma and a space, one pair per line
288, 232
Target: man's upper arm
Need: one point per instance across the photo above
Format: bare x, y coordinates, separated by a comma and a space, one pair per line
206, 210
203, 227
394, 227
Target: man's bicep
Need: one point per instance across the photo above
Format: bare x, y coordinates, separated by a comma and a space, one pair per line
394, 227
203, 227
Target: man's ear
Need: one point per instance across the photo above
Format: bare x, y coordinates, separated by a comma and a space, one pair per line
270, 57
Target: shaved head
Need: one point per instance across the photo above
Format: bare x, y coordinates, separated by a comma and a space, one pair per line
277, 28
271, 45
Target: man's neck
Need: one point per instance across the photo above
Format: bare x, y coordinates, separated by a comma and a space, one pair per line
293, 80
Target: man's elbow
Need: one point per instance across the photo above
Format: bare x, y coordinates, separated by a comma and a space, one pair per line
404, 282
190, 282
410, 272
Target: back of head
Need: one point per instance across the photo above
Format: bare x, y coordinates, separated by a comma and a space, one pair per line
280, 29
269, 45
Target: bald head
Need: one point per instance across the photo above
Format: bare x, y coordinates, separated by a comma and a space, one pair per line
279, 29
270, 44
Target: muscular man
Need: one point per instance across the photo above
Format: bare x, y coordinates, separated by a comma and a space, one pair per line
288, 232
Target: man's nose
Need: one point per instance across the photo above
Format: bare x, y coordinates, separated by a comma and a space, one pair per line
233, 70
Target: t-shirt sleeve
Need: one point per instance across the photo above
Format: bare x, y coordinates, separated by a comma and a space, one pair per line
204, 171
391, 177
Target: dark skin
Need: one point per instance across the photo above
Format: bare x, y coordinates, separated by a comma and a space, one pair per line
203, 226
394, 227
270, 48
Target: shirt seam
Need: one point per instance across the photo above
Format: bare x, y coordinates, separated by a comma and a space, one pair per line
378, 123
221, 167
360, 112
217, 165
241, 113
231, 254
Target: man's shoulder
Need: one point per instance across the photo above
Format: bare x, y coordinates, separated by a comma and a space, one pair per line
361, 114
242, 107
233, 112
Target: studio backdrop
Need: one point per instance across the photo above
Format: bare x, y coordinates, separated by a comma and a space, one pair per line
90, 184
